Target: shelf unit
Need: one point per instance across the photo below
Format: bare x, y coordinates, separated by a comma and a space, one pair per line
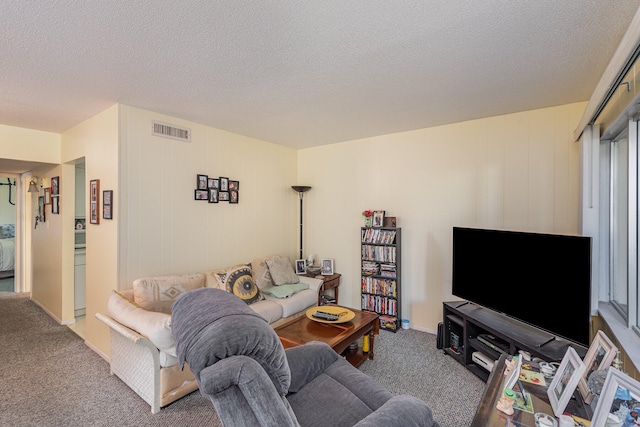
380, 274
467, 325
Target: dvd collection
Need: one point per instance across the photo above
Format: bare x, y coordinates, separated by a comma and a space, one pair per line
379, 253
380, 304
379, 236
373, 285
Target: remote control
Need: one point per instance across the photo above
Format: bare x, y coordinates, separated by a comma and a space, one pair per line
325, 316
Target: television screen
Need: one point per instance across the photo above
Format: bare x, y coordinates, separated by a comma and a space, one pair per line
540, 279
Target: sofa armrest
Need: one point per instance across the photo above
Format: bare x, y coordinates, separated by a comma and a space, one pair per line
314, 284
400, 411
244, 395
120, 328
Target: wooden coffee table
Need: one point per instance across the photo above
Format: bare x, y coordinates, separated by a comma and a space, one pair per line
337, 335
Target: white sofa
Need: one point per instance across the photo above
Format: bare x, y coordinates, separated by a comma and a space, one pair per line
142, 347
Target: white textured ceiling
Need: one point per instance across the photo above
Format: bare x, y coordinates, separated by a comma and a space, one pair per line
302, 73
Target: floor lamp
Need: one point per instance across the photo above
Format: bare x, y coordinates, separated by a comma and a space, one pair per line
301, 190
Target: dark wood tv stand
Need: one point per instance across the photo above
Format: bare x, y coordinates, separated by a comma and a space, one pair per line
469, 321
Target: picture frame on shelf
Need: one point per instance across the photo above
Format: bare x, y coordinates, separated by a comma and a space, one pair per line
389, 221
47, 196
107, 204
94, 202
223, 196
617, 386
224, 183
55, 186
213, 195
301, 266
202, 182
55, 205
601, 353
327, 267
378, 218
565, 381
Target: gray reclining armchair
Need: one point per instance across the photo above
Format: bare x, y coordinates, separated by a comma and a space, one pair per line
241, 366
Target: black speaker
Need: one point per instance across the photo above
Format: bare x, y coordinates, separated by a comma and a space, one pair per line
440, 336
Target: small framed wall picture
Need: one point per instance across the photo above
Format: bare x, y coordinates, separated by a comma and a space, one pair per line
55, 186
201, 195
47, 196
233, 196
327, 267
213, 195
202, 182
378, 218
214, 183
234, 185
94, 201
55, 205
223, 196
41, 214
301, 266
107, 204
224, 183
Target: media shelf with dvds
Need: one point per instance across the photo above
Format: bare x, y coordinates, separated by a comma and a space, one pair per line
380, 274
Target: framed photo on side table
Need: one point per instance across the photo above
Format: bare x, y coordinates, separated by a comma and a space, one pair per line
327, 267
601, 353
301, 266
617, 388
565, 381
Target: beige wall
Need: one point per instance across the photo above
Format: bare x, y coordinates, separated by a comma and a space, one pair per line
29, 145
518, 171
165, 231
97, 140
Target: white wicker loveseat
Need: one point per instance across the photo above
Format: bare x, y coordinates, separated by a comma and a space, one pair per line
142, 352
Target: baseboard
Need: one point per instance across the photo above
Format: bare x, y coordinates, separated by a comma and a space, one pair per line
429, 331
98, 351
46, 310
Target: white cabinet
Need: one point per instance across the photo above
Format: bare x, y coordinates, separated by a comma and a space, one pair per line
79, 293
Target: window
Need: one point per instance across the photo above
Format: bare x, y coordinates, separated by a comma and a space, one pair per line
619, 225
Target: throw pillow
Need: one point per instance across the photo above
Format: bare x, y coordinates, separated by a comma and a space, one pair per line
281, 271
239, 281
159, 293
261, 272
285, 291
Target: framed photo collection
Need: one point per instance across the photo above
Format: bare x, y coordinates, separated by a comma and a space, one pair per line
215, 190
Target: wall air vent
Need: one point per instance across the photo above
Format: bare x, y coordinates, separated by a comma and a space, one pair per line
170, 131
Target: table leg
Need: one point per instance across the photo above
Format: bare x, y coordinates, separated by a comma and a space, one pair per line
371, 337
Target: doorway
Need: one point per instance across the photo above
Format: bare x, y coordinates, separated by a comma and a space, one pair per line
8, 197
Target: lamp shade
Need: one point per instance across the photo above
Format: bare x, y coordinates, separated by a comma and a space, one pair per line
33, 187
301, 188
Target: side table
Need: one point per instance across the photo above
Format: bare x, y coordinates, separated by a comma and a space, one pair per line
330, 281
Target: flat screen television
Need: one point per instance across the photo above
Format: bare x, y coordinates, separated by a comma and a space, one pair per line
541, 279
